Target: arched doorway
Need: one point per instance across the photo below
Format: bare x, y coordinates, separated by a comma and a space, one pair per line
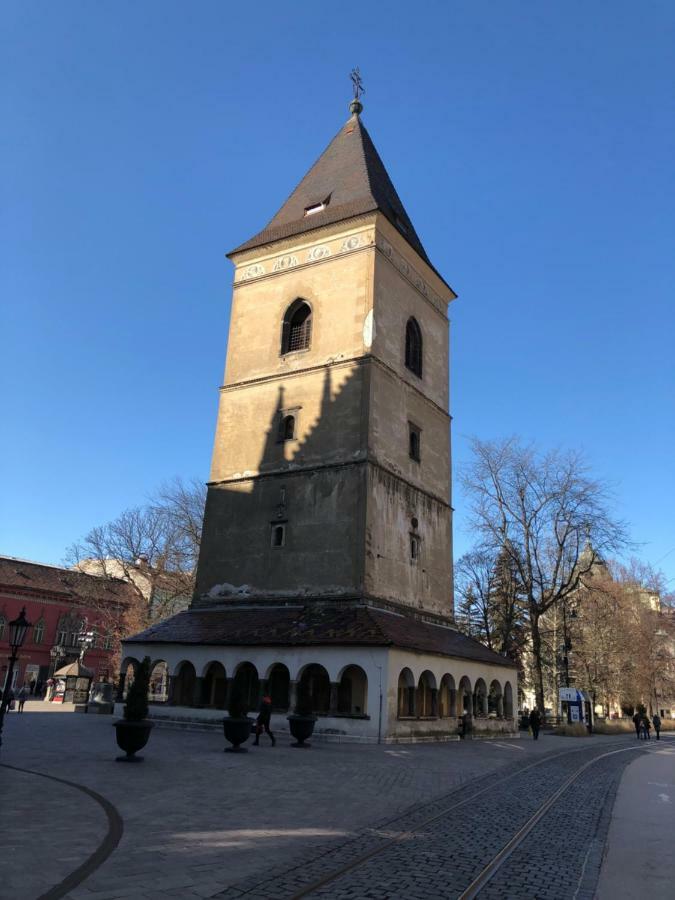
214, 686
406, 694
447, 697
246, 682
158, 685
316, 682
353, 691
508, 700
426, 696
495, 700
480, 707
464, 697
184, 685
278, 683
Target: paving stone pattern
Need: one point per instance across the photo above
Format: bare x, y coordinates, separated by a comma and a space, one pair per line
201, 823
443, 857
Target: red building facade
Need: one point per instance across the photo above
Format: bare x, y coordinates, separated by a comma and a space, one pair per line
61, 604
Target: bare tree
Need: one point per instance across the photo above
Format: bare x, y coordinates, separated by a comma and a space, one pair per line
548, 515
153, 547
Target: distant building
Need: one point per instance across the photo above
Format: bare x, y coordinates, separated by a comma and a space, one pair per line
326, 554
164, 594
60, 604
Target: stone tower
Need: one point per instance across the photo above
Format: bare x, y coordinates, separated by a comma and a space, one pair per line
326, 555
330, 477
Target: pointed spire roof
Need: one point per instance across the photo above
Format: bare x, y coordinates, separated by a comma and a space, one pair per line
350, 179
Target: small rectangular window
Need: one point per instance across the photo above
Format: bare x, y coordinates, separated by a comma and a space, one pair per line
414, 548
317, 207
414, 441
278, 535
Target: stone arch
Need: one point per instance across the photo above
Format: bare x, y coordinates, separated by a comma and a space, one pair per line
314, 678
278, 686
406, 694
508, 700
447, 697
480, 701
464, 696
427, 695
246, 680
158, 684
214, 685
128, 670
352, 691
495, 699
184, 684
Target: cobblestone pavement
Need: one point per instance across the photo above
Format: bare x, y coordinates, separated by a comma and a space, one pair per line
201, 823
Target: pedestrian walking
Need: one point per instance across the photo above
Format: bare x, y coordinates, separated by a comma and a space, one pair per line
637, 721
22, 696
656, 719
263, 721
535, 723
646, 727
50, 689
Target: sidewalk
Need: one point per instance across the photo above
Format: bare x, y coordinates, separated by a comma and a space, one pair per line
641, 848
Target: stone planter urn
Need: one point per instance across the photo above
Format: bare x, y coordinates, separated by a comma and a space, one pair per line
132, 737
237, 731
301, 728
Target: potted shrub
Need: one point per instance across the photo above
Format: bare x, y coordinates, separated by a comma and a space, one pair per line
237, 725
134, 729
301, 721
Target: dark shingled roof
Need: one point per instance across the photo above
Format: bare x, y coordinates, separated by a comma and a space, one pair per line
349, 175
315, 625
23, 576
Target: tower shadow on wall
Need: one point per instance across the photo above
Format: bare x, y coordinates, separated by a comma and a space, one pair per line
295, 530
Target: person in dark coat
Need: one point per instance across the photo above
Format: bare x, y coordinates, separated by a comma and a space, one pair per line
535, 723
637, 721
263, 721
656, 719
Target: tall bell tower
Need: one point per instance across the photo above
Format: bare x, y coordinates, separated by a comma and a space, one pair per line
330, 479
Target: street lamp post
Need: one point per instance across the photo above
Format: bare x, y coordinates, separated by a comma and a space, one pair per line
18, 629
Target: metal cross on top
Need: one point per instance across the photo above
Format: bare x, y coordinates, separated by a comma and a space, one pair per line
359, 89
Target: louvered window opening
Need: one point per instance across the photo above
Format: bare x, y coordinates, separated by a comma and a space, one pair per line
413, 347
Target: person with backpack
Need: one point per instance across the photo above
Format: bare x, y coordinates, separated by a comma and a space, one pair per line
22, 696
263, 721
637, 721
535, 723
646, 728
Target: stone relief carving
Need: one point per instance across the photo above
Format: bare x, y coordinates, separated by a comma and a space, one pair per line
351, 243
318, 253
409, 273
285, 262
254, 271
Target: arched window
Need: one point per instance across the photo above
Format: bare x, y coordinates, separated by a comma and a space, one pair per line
297, 331
39, 631
353, 691
287, 428
413, 347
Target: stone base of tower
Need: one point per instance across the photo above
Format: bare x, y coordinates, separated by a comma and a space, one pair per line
373, 675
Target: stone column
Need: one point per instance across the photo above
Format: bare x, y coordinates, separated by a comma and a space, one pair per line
434, 702
262, 689
169, 689
500, 706
333, 701
229, 683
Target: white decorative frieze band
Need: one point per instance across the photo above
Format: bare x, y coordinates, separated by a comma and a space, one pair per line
320, 252
352, 243
285, 262
254, 271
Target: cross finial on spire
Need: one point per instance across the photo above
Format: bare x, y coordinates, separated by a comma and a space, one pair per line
356, 106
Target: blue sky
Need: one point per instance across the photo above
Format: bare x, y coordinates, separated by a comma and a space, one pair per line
532, 144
